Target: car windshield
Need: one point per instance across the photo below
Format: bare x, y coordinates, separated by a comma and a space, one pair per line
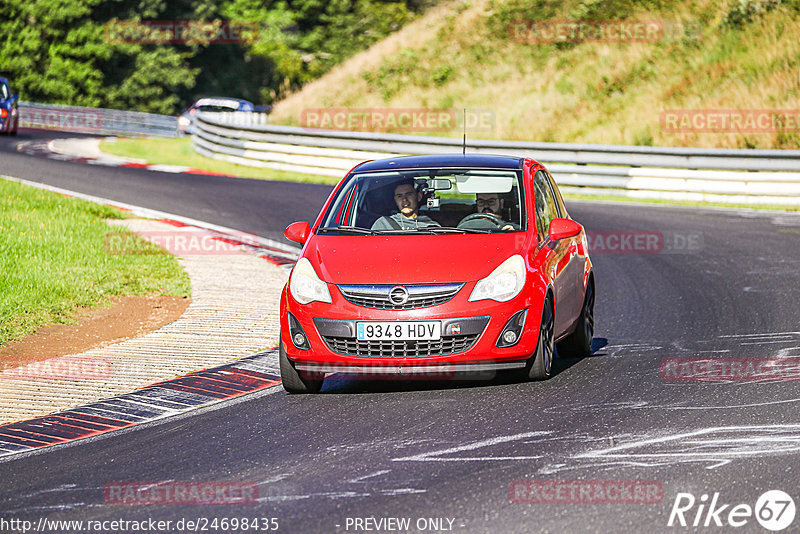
432, 201
231, 107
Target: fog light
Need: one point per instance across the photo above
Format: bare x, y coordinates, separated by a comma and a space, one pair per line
299, 338
512, 332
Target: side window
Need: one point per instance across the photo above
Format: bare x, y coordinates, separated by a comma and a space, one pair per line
562, 209
546, 209
5, 91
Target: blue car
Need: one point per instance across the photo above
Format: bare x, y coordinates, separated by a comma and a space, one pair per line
9, 114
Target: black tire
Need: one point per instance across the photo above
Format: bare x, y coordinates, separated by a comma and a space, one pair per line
293, 381
541, 363
579, 343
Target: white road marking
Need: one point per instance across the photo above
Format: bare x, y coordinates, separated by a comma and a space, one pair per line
371, 475
436, 456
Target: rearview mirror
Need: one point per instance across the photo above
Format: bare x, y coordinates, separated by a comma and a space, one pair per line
439, 184
563, 228
298, 232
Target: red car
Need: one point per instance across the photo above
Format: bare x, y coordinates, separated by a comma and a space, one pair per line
423, 265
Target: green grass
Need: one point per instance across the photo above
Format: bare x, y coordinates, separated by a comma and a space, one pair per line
179, 151
54, 261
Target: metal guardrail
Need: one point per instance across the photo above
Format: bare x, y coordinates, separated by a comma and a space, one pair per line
101, 121
717, 175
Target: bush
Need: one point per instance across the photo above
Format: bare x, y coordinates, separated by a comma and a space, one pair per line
743, 12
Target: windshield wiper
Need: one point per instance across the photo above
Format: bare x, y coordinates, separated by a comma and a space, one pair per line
436, 230
346, 230
455, 230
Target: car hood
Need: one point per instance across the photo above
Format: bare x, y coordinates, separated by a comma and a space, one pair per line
410, 259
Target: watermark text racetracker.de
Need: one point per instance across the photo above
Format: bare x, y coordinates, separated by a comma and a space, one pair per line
68, 119
173, 32
579, 31
70, 367
399, 119
179, 241
393, 373
643, 242
180, 493
585, 492
730, 120
704, 369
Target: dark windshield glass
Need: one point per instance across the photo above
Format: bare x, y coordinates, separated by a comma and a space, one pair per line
429, 200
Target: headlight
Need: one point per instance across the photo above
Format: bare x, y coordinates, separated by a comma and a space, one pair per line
306, 286
184, 121
504, 283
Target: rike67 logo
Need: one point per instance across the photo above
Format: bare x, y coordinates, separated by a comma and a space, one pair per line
774, 510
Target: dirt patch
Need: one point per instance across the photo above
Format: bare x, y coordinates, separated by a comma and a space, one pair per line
128, 317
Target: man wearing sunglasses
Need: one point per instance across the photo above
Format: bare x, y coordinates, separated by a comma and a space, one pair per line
492, 204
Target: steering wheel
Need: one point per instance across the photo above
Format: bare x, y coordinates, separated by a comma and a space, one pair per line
480, 218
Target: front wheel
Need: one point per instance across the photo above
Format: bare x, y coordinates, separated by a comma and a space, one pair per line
293, 381
541, 364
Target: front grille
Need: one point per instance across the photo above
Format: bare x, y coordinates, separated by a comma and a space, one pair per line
419, 296
385, 304
401, 349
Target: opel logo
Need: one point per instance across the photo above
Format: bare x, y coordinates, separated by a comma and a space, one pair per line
398, 295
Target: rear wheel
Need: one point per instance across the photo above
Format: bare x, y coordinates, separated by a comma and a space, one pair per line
541, 364
293, 380
579, 343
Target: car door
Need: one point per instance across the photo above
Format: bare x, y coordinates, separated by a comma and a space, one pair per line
558, 251
574, 271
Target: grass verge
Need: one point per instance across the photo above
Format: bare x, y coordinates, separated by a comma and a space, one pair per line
179, 151
54, 261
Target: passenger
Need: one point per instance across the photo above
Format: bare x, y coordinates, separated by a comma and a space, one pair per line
407, 199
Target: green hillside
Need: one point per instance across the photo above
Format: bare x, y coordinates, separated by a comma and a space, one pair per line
488, 56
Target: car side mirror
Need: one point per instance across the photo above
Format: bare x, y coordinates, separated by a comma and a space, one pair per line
15, 97
563, 228
298, 232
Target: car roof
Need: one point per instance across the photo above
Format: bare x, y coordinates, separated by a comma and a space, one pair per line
216, 100
442, 160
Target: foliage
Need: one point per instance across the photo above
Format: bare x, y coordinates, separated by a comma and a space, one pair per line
63, 51
743, 12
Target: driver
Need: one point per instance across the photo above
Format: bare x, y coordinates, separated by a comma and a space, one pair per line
407, 199
491, 204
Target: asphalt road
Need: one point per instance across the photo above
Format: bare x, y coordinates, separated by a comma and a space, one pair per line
723, 286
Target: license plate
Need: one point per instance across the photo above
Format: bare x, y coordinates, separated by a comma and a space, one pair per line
399, 330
